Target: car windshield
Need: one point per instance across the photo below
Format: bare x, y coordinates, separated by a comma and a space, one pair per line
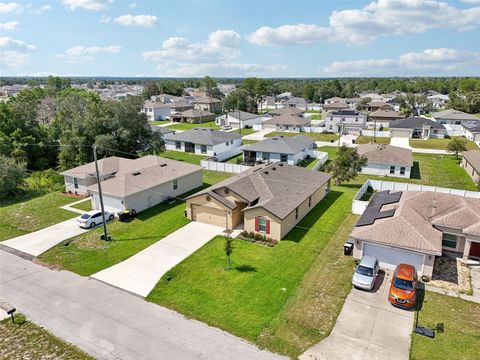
84, 216
403, 284
363, 270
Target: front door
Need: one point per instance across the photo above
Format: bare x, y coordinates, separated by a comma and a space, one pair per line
475, 249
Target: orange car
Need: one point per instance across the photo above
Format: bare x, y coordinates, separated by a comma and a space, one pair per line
403, 290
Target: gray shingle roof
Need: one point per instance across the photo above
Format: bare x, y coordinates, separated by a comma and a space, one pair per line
286, 110
193, 113
288, 120
161, 129
472, 126
452, 114
282, 144
203, 136
414, 123
386, 154
473, 158
243, 115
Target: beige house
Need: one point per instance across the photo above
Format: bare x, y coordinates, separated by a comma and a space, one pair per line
193, 116
471, 164
208, 104
414, 227
269, 199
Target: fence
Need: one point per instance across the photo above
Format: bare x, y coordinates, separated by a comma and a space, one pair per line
257, 127
359, 206
229, 153
377, 133
223, 167
314, 129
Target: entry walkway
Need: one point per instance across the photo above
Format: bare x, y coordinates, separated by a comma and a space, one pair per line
140, 273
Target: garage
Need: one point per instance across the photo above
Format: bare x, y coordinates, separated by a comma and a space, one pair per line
401, 133
390, 257
209, 215
110, 203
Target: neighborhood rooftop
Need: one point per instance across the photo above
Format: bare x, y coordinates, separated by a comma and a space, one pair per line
386, 154
288, 120
473, 158
203, 136
414, 122
282, 144
452, 114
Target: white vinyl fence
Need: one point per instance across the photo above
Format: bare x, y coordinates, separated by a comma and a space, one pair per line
229, 153
377, 133
223, 167
314, 129
358, 206
257, 127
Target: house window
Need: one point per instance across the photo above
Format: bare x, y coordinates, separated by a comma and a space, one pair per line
266, 156
392, 169
402, 170
262, 224
75, 183
356, 119
296, 213
283, 157
449, 241
175, 184
203, 149
178, 145
309, 201
331, 127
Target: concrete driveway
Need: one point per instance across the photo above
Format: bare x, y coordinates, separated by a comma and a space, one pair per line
259, 135
368, 327
40, 241
400, 142
141, 272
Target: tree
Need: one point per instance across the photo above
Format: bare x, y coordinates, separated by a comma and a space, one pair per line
347, 164
12, 174
239, 99
457, 145
149, 89
229, 250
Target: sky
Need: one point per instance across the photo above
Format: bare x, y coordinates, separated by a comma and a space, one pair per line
240, 38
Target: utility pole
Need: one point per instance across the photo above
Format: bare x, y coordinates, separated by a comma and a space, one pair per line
375, 130
340, 131
102, 209
239, 122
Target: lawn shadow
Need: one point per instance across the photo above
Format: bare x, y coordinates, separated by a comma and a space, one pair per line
415, 172
246, 268
307, 161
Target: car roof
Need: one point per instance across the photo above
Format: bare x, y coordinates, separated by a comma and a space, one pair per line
93, 212
368, 261
405, 272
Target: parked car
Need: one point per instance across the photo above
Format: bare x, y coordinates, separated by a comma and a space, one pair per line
93, 218
403, 290
366, 273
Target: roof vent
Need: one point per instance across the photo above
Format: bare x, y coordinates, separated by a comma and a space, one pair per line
163, 165
274, 168
136, 173
265, 172
281, 164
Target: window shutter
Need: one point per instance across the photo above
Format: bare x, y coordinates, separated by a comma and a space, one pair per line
267, 227
256, 224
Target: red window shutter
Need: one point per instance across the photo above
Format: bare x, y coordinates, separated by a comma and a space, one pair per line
256, 224
267, 230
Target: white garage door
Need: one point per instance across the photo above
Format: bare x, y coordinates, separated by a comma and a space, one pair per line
110, 204
390, 257
401, 133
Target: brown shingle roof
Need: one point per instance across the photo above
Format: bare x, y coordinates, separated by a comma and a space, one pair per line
473, 158
386, 154
386, 114
288, 120
286, 111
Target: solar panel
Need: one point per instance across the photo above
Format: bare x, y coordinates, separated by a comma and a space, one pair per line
372, 212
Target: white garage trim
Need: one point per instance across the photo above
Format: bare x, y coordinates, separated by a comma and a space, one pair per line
389, 257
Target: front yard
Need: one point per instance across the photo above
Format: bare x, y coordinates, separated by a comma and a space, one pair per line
87, 254
461, 339
314, 136
369, 139
266, 297
439, 144
188, 126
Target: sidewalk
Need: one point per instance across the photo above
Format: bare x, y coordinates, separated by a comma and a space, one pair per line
69, 207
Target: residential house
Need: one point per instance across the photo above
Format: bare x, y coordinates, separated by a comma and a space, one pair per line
162, 130
386, 160
156, 111
439, 101
269, 199
334, 100
454, 118
297, 102
417, 127
345, 121
290, 150
237, 119
286, 111
471, 164
383, 118
208, 104
203, 141
287, 123
180, 105
336, 106
378, 105
193, 116
415, 227
471, 130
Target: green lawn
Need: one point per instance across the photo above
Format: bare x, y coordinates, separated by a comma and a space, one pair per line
314, 136
87, 254
461, 339
316, 117
308, 163
368, 139
26, 340
33, 214
235, 159
246, 131
258, 297
439, 144
85, 206
159, 122
248, 142
188, 126
183, 156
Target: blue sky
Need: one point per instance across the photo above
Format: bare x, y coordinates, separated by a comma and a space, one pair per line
240, 38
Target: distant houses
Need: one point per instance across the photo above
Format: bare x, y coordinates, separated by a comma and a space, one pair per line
417, 127
287, 123
239, 119
346, 122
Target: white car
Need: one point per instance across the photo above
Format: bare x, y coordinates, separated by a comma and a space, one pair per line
366, 273
93, 218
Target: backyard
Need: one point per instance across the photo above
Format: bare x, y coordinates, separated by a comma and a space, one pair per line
461, 339
183, 156
87, 254
266, 297
314, 136
439, 144
188, 126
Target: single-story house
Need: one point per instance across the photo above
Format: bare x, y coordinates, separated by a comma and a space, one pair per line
156, 111
203, 141
287, 111
334, 100
414, 227
384, 117
454, 117
269, 199
208, 104
237, 119
417, 127
288, 123
471, 164
346, 121
193, 116
162, 130
471, 130
386, 160
290, 150
378, 105
297, 102
179, 106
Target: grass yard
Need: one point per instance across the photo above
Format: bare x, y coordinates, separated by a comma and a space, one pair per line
246, 131
248, 142
33, 214
316, 117
439, 144
188, 126
308, 163
159, 122
86, 254
85, 206
235, 159
461, 339
26, 340
266, 290
183, 156
314, 136
368, 139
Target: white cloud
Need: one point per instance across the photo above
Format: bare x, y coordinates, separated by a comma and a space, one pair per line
8, 42
379, 18
427, 62
136, 20
10, 7
44, 8
10, 25
93, 5
471, 1
219, 69
14, 53
81, 53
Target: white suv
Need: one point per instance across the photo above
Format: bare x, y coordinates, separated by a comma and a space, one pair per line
93, 218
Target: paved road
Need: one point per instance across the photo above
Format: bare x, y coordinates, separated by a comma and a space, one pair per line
110, 323
40, 241
368, 327
140, 273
